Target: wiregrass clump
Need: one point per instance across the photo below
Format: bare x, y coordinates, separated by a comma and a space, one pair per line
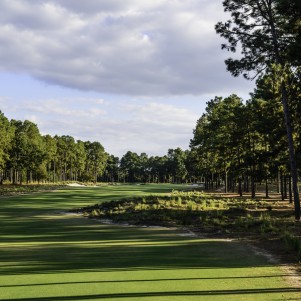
203, 213
10, 190
178, 207
292, 242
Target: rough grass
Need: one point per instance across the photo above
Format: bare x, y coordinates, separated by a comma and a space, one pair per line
48, 255
205, 213
10, 189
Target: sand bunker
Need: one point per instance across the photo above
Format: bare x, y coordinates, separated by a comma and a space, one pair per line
76, 185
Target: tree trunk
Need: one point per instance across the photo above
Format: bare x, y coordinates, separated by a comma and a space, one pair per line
27, 177
239, 187
65, 172
226, 181
71, 171
54, 171
233, 184
266, 188
293, 164
253, 190
247, 184
281, 186
289, 131
285, 187
12, 178
278, 182
290, 189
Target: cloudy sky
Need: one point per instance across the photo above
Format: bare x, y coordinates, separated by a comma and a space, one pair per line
131, 74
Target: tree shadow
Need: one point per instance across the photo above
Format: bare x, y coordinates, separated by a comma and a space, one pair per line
164, 294
90, 246
146, 280
34, 243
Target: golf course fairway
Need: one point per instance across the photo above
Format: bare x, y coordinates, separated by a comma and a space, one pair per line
48, 255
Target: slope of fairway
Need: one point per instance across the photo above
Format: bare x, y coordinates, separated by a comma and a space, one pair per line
48, 255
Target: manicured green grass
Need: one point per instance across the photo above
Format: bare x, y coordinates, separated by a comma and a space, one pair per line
47, 255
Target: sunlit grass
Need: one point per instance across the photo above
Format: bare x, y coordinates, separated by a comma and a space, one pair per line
48, 255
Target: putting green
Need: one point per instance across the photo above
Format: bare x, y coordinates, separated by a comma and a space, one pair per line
48, 255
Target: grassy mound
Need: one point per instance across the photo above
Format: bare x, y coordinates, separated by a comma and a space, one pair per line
205, 214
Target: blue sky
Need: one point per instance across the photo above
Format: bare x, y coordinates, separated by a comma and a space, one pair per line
133, 75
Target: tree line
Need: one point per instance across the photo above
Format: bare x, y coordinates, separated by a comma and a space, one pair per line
26, 156
268, 35
235, 142
243, 143
177, 166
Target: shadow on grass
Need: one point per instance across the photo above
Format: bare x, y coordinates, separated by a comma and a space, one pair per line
112, 252
71, 197
31, 242
145, 280
72, 244
37, 240
164, 294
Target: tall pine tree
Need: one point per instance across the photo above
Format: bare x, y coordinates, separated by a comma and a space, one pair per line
258, 29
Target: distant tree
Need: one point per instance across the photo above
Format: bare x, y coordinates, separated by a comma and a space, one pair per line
176, 163
268, 119
112, 169
96, 160
28, 150
220, 139
130, 165
6, 136
50, 158
192, 164
158, 169
65, 156
80, 158
143, 168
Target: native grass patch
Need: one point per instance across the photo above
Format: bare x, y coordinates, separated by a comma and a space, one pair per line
205, 213
10, 189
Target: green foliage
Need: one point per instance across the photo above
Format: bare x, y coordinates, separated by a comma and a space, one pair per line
26, 155
291, 10
96, 159
292, 242
27, 152
257, 28
261, 30
6, 135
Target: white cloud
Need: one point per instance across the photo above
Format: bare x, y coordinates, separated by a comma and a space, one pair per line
150, 126
162, 115
120, 47
143, 54
62, 108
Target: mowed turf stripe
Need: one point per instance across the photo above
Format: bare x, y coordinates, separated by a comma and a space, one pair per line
74, 258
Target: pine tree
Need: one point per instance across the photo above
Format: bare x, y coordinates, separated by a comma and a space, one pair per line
258, 29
